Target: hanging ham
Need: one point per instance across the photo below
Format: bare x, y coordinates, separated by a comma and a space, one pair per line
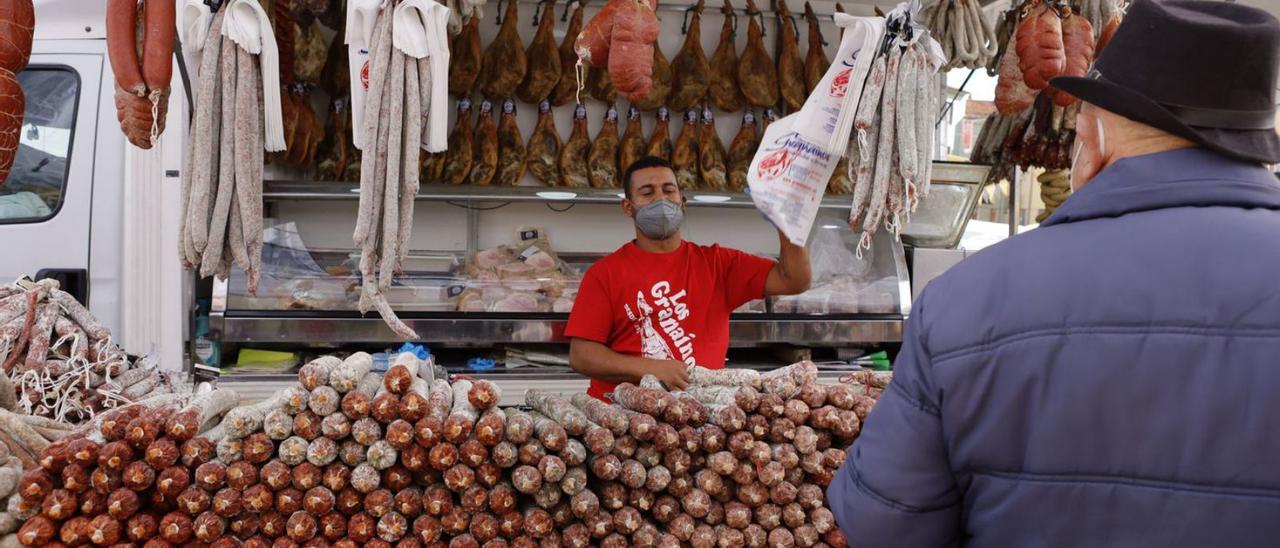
573, 157
790, 67
285, 30
723, 88
690, 70
504, 64
543, 58
600, 87
335, 151
544, 148
631, 146
465, 59
566, 90
511, 151
484, 165
458, 159
659, 145
711, 156
603, 158
741, 151
757, 75
815, 60
684, 157
840, 182
309, 58
661, 89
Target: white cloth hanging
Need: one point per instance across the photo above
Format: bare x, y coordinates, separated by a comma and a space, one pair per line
436, 138
193, 25
362, 17
409, 34
247, 24
421, 31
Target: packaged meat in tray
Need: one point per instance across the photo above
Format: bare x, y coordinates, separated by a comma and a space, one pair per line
844, 280
528, 295
291, 277
530, 256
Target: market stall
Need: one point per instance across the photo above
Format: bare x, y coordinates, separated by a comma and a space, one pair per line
360, 174
308, 289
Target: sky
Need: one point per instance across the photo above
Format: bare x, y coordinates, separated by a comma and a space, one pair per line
981, 86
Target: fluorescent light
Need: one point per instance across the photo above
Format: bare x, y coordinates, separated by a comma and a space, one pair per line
354, 190
621, 196
556, 195
711, 198
830, 227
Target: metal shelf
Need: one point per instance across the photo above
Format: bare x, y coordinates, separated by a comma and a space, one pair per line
330, 191
472, 329
943, 172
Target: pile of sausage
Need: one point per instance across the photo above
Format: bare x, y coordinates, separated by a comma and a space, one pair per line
739, 459
221, 221
890, 154
348, 457
60, 362
116, 478
11, 467
17, 28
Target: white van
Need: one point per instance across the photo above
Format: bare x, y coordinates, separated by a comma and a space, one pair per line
82, 206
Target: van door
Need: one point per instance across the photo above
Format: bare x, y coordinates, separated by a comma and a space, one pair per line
45, 203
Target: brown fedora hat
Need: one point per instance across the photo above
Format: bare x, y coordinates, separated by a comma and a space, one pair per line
1202, 70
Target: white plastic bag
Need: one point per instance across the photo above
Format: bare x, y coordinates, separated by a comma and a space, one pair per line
788, 177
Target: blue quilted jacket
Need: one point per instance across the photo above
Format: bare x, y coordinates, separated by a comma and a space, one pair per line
1111, 379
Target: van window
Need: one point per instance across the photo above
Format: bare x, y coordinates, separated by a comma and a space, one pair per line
33, 192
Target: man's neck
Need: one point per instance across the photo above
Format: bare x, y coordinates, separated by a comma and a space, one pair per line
1133, 139
651, 245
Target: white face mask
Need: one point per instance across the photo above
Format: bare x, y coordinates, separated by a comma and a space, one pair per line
1079, 147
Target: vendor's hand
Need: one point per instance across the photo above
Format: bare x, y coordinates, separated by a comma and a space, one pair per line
673, 374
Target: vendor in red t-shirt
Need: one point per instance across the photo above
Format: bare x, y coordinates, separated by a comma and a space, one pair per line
660, 304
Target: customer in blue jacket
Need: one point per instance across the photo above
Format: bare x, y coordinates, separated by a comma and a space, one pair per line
1112, 378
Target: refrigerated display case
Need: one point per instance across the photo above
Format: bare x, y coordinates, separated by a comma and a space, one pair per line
309, 296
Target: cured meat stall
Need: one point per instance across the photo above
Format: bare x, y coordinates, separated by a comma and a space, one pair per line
360, 175
519, 195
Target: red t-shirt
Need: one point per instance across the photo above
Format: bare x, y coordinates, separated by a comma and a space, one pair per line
668, 306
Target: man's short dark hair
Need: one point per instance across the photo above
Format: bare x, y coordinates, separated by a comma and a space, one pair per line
645, 162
